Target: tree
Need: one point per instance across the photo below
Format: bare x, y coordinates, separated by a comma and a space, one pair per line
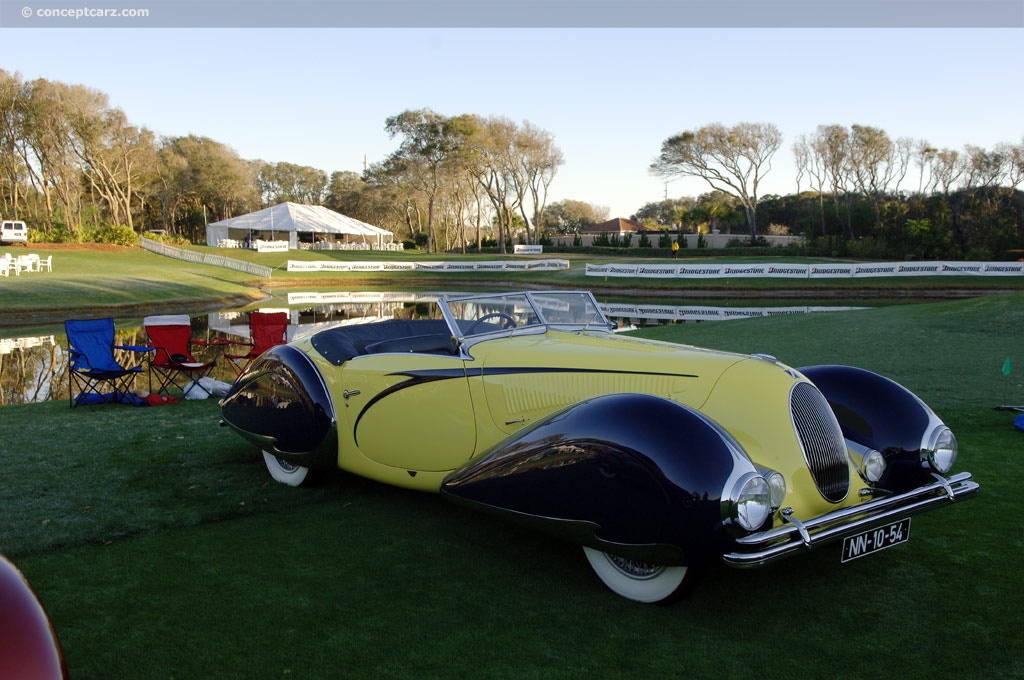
668, 212
876, 164
535, 161
810, 162
830, 149
202, 180
491, 145
733, 159
289, 183
45, 115
115, 156
569, 216
431, 143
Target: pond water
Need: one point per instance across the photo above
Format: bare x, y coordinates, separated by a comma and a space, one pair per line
33, 362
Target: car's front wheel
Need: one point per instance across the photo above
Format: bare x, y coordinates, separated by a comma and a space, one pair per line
640, 581
287, 473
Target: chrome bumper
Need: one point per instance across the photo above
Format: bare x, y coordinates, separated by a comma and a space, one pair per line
797, 535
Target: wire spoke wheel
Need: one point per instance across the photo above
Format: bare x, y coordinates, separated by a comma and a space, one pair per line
286, 472
639, 581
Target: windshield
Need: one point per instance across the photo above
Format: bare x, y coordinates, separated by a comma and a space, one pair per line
499, 312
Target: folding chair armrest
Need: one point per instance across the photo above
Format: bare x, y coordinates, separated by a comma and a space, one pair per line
220, 342
241, 343
136, 348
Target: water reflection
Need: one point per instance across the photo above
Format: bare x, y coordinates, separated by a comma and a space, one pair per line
34, 367
29, 365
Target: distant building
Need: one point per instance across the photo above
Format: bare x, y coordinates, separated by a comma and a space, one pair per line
620, 226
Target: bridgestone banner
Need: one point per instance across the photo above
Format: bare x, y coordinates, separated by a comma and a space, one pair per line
349, 266
806, 271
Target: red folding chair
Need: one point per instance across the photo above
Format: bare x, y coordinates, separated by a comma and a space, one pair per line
266, 330
172, 361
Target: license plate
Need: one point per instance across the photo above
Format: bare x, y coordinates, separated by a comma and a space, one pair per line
873, 540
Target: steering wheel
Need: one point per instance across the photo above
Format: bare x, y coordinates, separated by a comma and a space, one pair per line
506, 323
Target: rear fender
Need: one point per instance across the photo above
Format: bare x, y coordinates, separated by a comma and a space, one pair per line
630, 474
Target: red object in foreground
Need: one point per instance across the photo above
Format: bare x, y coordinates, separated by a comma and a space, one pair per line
29, 649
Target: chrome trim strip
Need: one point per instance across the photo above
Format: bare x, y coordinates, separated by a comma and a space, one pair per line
761, 548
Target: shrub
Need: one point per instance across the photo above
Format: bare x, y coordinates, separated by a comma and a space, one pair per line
115, 234
169, 239
756, 242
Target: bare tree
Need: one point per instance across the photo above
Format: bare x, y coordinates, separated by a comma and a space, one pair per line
492, 145
733, 160
923, 153
535, 161
831, 147
113, 154
809, 161
1014, 154
876, 164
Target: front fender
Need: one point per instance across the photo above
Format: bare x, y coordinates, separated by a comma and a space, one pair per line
281, 404
880, 414
630, 474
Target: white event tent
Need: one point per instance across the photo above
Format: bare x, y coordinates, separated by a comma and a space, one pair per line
307, 225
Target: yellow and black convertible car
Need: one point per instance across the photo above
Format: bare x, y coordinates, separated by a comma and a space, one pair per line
657, 458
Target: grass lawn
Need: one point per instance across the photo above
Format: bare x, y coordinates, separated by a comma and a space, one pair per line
107, 281
162, 550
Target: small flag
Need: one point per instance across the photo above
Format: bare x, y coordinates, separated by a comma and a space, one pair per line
1007, 366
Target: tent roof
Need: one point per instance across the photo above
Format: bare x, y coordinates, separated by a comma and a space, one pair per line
299, 217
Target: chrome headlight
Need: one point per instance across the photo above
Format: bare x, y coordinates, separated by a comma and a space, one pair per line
869, 462
777, 488
751, 501
873, 466
940, 450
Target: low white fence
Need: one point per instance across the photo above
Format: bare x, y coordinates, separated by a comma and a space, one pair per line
204, 258
706, 313
805, 271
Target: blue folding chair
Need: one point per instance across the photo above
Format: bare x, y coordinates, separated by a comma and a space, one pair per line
92, 368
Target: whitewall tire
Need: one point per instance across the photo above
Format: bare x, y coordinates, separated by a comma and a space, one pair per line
639, 581
287, 473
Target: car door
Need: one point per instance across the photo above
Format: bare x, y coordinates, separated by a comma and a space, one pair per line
409, 411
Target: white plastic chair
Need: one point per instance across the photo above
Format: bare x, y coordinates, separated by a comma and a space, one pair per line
27, 263
45, 263
11, 264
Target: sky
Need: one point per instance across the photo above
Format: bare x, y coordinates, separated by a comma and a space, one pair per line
608, 96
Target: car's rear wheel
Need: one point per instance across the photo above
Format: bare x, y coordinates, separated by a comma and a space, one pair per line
287, 473
640, 581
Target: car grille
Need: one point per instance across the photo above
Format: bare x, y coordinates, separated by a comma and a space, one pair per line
822, 442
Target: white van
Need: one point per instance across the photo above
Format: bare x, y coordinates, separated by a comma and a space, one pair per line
12, 231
